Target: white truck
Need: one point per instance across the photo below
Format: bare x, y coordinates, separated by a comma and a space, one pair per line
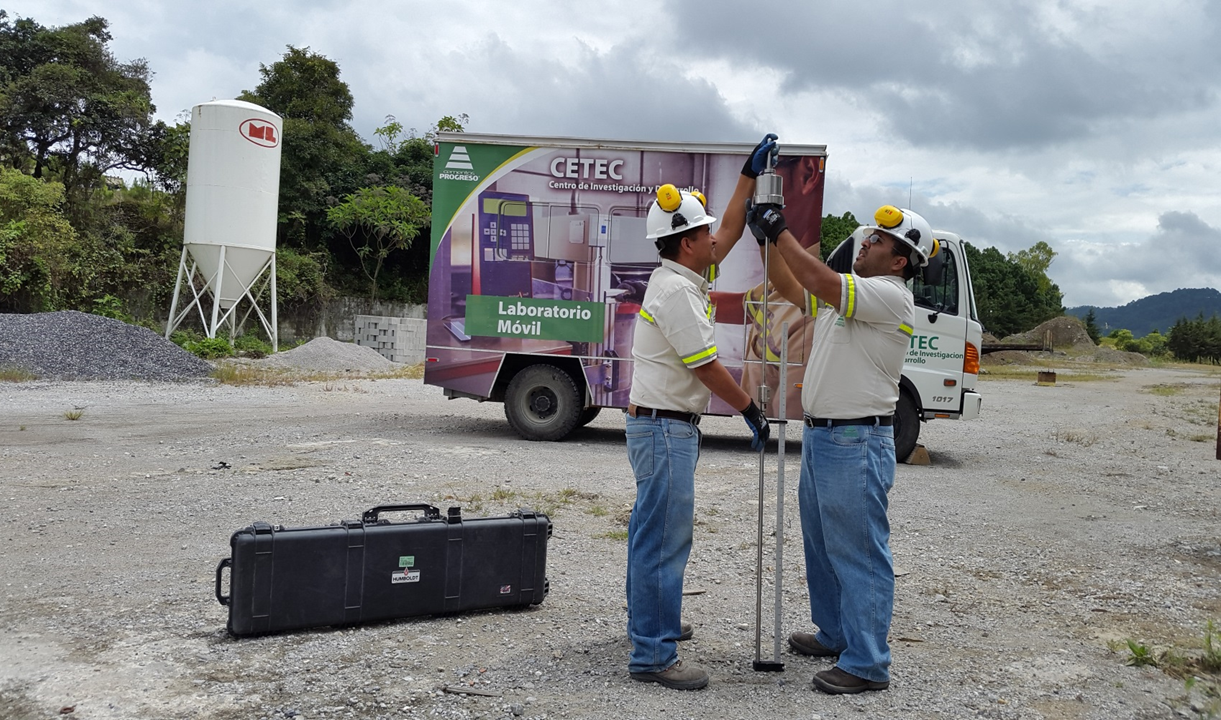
539, 261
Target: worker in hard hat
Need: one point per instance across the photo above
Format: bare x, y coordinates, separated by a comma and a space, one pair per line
674, 373
862, 328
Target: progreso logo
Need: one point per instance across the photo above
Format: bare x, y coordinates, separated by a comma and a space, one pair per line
459, 166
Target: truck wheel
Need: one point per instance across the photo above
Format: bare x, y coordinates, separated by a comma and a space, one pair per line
543, 403
588, 415
907, 427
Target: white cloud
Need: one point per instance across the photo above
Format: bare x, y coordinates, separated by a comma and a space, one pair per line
1093, 125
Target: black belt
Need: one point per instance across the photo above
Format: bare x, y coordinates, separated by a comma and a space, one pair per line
837, 422
638, 411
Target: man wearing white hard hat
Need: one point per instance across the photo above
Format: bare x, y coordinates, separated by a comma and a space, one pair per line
674, 373
862, 328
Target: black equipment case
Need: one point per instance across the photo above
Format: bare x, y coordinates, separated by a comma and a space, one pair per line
373, 569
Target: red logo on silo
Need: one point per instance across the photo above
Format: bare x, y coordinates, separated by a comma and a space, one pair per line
260, 132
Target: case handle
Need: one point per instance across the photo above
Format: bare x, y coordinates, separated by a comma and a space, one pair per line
430, 511
227, 562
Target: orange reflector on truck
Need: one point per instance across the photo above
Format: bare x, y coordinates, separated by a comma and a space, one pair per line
949, 383
970, 362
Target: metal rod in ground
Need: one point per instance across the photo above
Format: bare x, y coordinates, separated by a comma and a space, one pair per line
759, 571
782, 408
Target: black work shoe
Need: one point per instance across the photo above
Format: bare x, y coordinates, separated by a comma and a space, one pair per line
806, 644
838, 682
679, 676
687, 630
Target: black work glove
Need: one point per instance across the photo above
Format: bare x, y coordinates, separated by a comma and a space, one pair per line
758, 425
770, 221
752, 222
756, 162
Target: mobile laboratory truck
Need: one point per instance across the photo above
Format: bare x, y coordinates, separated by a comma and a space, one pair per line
539, 263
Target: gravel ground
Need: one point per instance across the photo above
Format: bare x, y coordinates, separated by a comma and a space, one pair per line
1063, 520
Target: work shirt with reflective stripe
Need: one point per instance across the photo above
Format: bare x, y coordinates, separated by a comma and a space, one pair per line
673, 335
857, 357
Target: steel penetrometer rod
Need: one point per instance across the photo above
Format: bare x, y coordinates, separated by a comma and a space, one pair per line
764, 392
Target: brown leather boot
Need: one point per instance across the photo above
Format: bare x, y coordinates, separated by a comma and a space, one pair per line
679, 676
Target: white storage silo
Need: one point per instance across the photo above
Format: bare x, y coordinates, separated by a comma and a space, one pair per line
229, 238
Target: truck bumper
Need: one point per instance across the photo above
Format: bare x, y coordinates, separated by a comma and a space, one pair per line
971, 402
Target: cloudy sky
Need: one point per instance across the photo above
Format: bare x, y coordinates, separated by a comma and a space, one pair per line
1094, 126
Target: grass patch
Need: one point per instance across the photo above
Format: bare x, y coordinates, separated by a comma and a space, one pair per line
620, 535
1165, 390
74, 414
16, 374
234, 374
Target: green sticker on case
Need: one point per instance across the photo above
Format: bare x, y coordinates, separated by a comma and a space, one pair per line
406, 560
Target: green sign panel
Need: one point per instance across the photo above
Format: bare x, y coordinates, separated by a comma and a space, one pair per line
537, 319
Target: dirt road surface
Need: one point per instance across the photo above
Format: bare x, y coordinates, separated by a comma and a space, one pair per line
1044, 534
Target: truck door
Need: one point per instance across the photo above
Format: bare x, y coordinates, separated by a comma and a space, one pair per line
938, 344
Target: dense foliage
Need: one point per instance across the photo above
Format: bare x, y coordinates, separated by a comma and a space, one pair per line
1158, 311
1196, 340
73, 235
1013, 293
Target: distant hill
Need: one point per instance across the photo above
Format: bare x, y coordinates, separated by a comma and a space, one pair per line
1156, 312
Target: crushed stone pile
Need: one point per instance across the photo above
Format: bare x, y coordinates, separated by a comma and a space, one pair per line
323, 354
1064, 331
71, 345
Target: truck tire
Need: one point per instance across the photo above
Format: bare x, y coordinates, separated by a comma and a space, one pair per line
907, 427
543, 403
588, 415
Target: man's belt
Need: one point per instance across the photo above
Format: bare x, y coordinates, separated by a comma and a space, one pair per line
838, 422
639, 411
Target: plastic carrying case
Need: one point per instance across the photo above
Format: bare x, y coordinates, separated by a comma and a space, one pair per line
373, 569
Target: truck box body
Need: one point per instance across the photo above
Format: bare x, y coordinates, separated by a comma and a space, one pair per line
539, 256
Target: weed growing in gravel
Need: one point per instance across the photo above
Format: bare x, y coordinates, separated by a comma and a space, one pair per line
620, 535
1211, 659
16, 374
502, 494
74, 414
1082, 438
1142, 655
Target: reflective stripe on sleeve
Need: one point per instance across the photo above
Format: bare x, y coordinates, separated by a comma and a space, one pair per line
906, 329
851, 308
701, 355
647, 317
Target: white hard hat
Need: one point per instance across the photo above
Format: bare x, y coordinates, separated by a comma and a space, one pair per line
676, 211
911, 228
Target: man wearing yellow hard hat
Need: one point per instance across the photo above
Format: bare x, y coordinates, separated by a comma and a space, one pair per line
675, 371
862, 328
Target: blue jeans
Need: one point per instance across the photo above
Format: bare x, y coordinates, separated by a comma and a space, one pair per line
846, 473
663, 454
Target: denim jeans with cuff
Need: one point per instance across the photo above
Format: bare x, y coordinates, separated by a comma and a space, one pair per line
846, 473
663, 453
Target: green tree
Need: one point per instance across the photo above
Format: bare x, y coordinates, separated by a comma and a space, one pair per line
35, 242
1009, 295
67, 105
385, 219
322, 158
1036, 259
834, 230
1091, 326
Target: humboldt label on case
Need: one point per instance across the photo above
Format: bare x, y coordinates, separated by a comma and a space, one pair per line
404, 576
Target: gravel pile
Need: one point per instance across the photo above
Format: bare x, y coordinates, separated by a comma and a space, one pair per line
326, 355
71, 345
